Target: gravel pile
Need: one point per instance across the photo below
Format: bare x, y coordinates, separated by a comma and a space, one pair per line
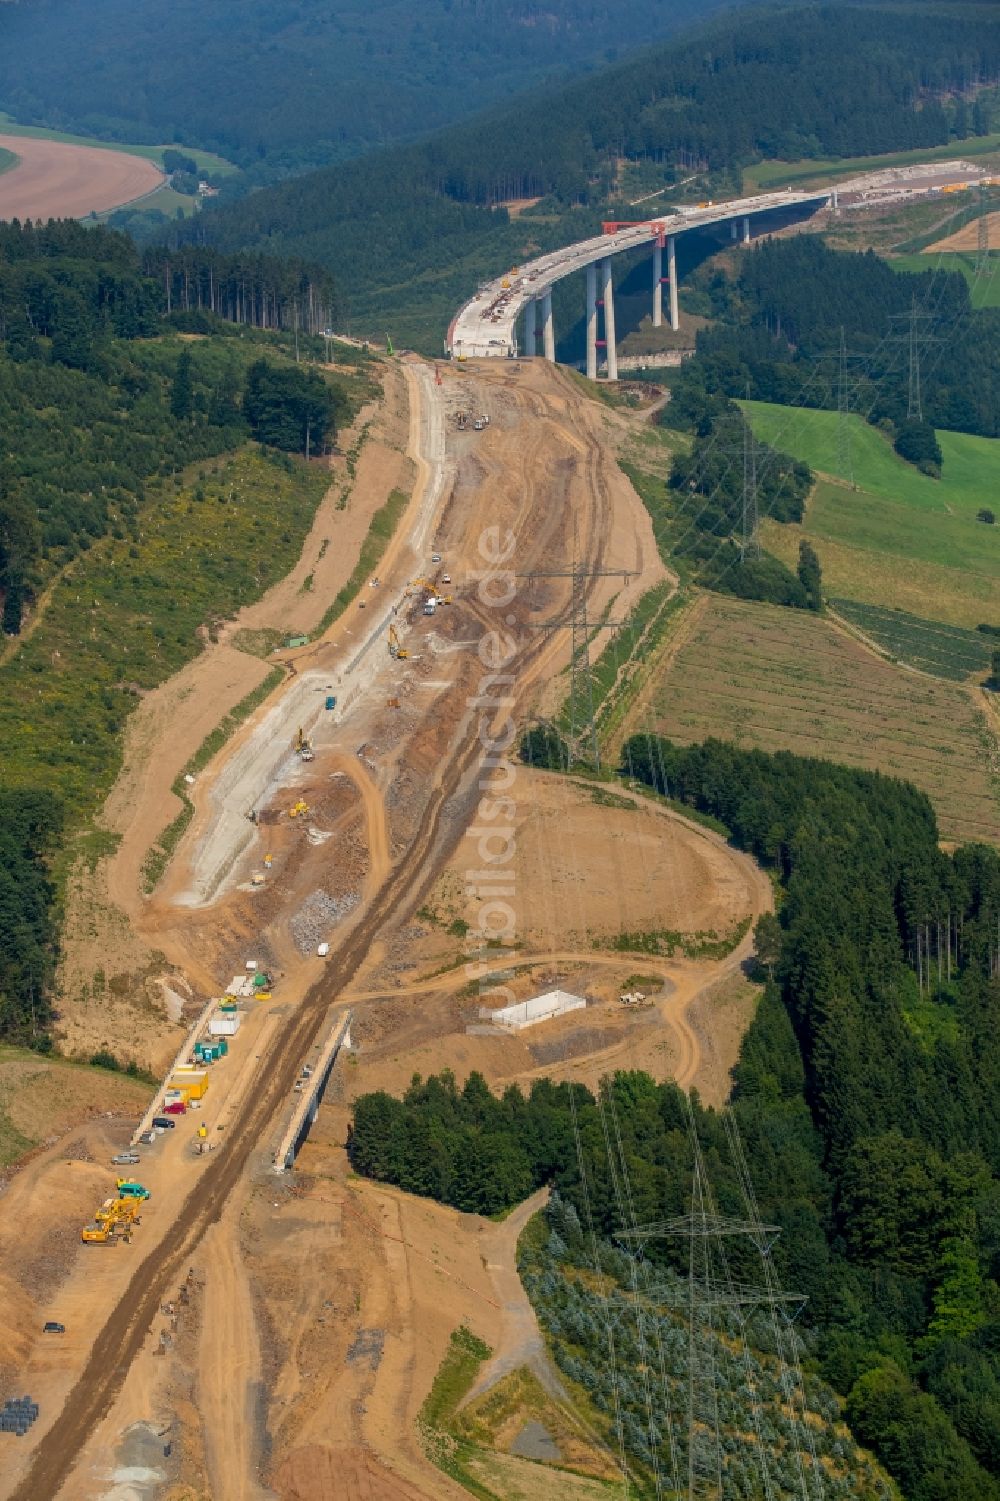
318, 914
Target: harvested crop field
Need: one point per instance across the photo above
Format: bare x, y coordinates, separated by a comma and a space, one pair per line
54, 180
967, 238
764, 676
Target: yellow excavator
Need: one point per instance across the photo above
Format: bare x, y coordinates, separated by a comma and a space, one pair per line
97, 1234
303, 747
395, 650
299, 811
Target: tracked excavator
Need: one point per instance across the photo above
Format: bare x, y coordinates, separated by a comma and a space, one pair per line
395, 650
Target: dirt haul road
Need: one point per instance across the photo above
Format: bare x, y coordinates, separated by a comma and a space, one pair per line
55, 180
531, 501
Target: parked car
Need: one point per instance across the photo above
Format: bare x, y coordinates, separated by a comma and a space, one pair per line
164, 1122
148, 1137
176, 1107
126, 1157
53, 1328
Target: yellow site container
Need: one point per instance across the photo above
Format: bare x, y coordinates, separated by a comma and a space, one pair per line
192, 1086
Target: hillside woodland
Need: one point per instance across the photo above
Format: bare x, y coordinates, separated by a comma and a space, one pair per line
284, 88
83, 334
419, 223
866, 1101
776, 336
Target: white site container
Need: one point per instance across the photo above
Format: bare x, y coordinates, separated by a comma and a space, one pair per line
323, 950
529, 1013
225, 1026
251, 965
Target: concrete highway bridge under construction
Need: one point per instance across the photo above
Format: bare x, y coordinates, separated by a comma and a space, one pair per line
486, 327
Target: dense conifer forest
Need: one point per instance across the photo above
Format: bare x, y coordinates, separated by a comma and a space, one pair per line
279, 88
866, 1097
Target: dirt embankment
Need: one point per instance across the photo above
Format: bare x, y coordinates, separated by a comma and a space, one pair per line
56, 180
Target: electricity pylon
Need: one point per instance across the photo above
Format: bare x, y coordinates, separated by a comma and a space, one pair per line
915, 340
582, 727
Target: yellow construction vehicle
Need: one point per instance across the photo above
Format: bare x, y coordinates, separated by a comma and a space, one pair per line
97, 1234
299, 810
395, 650
303, 746
115, 1211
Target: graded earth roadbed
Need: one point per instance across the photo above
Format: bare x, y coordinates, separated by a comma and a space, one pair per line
122, 1336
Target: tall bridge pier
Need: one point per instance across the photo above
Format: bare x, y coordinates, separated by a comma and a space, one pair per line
486, 327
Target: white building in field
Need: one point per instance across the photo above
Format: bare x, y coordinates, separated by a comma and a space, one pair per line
528, 1013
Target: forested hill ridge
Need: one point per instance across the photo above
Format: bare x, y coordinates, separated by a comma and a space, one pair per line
867, 1098
415, 227
114, 555
280, 88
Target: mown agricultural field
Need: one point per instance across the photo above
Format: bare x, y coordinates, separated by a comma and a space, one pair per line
945, 651
901, 539
780, 679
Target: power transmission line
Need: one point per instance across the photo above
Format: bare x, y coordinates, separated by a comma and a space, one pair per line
751, 539
914, 341
983, 234
582, 724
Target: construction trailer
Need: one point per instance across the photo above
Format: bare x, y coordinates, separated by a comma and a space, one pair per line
190, 1081
225, 1025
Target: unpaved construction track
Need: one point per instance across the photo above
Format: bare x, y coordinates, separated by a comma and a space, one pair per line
559, 507
122, 1336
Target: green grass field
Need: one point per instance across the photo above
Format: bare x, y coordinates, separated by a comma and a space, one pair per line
7, 160
207, 160
901, 539
985, 289
804, 173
